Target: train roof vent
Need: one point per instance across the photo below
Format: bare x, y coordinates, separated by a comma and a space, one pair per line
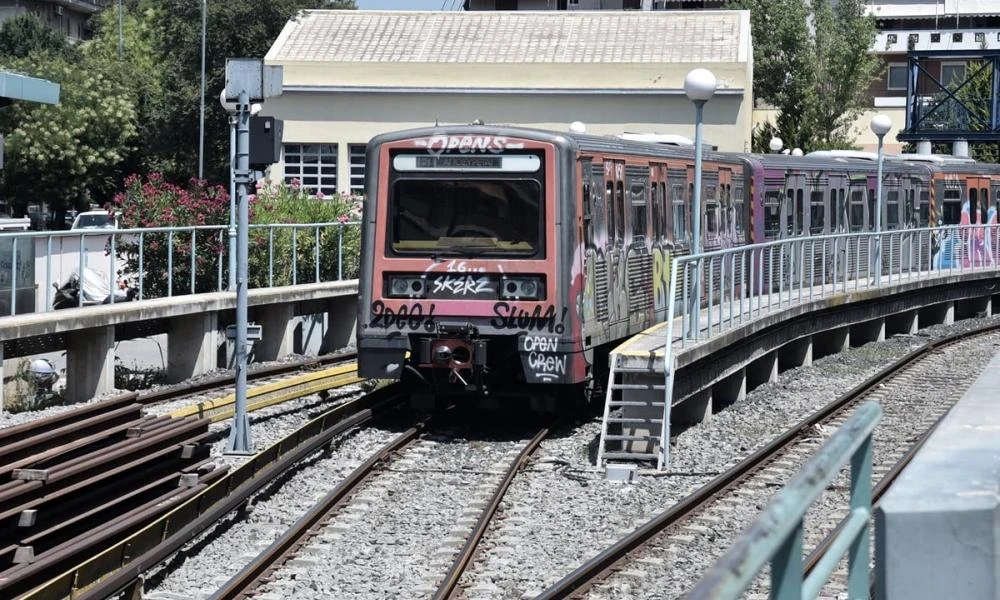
936, 158
671, 139
855, 154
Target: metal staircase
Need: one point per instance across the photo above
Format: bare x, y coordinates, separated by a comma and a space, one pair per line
634, 412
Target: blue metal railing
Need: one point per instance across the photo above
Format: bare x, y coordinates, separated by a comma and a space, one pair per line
320, 254
776, 535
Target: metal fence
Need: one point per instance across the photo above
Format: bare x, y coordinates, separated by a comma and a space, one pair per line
168, 261
776, 536
746, 282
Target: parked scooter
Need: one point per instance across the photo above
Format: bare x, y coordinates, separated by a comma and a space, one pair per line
94, 290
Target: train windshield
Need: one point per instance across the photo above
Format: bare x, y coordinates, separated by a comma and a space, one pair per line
466, 216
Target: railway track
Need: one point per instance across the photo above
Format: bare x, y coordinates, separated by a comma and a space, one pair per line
101, 476
337, 520
657, 555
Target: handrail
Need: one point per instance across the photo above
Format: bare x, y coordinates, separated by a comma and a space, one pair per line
776, 536
195, 252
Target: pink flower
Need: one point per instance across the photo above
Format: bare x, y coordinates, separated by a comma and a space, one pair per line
344, 218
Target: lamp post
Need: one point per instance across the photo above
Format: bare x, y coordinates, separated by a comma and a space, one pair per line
201, 112
776, 144
699, 86
880, 125
230, 107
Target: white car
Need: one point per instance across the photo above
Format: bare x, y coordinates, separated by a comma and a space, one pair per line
95, 219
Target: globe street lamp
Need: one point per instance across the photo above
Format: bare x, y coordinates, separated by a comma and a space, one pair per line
880, 125
776, 144
699, 86
230, 107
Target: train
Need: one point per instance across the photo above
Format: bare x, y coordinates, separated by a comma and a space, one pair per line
498, 258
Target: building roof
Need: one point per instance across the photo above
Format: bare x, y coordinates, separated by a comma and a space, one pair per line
902, 9
552, 37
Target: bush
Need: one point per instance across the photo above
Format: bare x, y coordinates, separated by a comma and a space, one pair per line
157, 203
153, 202
278, 204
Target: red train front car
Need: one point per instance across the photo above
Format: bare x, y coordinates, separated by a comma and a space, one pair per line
468, 277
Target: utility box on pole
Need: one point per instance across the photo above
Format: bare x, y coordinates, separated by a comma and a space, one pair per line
265, 141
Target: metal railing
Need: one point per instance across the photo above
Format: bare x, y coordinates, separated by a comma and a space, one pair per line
748, 282
776, 536
167, 261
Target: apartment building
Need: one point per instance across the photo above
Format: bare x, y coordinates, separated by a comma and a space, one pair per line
70, 17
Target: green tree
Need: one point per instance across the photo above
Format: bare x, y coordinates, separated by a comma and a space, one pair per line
71, 153
234, 29
812, 63
25, 34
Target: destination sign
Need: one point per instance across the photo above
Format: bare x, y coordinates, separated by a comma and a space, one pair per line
517, 163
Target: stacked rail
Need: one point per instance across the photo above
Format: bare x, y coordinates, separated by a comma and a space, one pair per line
79, 481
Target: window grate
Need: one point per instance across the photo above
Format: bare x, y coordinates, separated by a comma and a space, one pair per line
314, 166
357, 160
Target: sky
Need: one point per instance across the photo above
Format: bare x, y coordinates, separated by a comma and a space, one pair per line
409, 4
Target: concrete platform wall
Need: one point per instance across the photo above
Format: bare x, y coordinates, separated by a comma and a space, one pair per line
312, 318
724, 369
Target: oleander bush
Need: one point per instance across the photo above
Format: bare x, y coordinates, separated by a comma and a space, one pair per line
166, 260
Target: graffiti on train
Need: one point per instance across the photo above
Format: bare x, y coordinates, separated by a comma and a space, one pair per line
463, 285
661, 277
542, 359
412, 317
537, 319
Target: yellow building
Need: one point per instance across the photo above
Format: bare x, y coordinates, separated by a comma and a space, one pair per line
349, 75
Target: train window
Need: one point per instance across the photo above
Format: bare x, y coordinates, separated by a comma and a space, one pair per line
738, 206
871, 209
984, 204
664, 214
951, 208
711, 218
619, 211
654, 212
800, 212
609, 203
856, 212
588, 219
925, 209
817, 212
892, 209
679, 213
909, 209
491, 216
772, 214
973, 205
637, 200
833, 210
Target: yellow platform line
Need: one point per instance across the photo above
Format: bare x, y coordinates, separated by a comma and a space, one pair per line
273, 393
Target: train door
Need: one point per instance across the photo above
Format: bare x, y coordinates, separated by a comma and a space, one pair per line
837, 222
595, 305
660, 246
638, 259
614, 182
977, 195
793, 211
909, 243
726, 216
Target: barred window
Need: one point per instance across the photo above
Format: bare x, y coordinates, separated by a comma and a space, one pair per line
357, 156
313, 165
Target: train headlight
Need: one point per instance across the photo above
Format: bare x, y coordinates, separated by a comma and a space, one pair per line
522, 288
406, 287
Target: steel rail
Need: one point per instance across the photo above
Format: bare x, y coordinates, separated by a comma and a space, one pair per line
121, 565
597, 568
276, 392
274, 556
226, 379
883, 485
447, 587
